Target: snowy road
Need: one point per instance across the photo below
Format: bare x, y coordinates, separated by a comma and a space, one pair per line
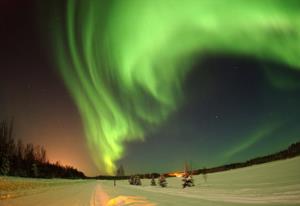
96, 193
276, 183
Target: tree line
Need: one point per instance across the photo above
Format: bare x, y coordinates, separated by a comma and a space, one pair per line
292, 151
28, 160
126, 177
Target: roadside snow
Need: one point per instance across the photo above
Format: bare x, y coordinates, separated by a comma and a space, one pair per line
276, 183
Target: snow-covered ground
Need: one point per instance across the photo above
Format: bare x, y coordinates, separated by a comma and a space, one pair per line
276, 183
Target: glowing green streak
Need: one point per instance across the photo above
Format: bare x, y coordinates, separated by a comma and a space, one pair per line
124, 61
259, 134
282, 80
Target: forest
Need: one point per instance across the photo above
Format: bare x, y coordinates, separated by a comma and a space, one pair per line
28, 160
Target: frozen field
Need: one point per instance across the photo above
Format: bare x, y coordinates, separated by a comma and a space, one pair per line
276, 183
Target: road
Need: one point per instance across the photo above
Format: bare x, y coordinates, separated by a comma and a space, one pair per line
95, 193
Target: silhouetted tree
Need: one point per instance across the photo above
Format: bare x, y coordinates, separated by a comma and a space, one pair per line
120, 171
6, 147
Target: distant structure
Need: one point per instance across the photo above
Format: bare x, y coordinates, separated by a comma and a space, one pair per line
120, 171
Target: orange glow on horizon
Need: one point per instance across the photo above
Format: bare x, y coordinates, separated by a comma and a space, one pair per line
176, 174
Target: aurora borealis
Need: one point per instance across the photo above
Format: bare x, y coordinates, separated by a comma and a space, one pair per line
151, 84
125, 62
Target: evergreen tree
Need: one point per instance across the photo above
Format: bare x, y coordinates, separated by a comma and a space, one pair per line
34, 170
4, 168
5, 147
153, 183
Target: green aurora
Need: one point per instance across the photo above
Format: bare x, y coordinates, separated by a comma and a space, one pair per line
124, 62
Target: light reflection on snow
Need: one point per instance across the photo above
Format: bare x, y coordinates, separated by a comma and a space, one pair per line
101, 198
129, 200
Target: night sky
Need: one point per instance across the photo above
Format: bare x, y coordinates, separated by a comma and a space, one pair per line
232, 106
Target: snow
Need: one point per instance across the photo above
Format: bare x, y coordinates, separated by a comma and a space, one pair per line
276, 183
